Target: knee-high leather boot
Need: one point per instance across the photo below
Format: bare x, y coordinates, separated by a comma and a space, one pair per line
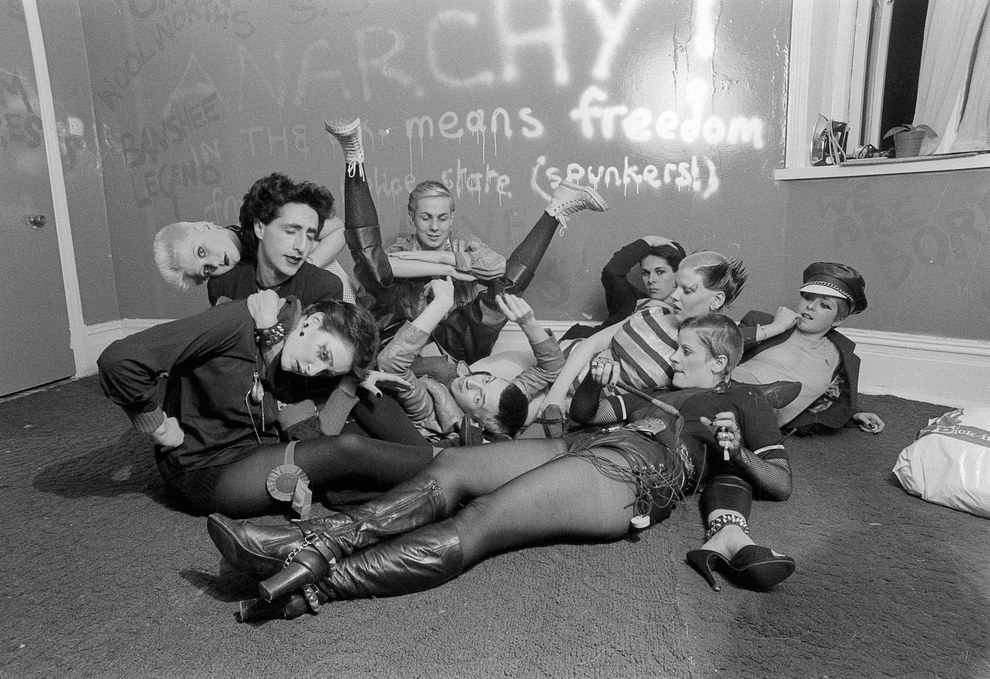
263, 550
413, 562
469, 332
371, 267
373, 272
362, 231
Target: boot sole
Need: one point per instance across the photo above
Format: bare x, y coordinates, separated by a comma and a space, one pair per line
763, 575
223, 534
599, 204
338, 127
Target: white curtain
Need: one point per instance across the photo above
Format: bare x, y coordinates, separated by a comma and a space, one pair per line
954, 83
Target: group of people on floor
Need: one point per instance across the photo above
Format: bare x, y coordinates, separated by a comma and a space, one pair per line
299, 380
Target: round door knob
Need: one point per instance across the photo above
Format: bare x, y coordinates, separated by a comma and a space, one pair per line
36, 221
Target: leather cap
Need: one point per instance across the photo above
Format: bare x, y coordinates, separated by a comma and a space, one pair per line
836, 280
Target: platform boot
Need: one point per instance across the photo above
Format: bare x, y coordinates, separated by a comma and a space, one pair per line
265, 551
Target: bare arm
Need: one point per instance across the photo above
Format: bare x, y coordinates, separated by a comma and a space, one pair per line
410, 268
429, 256
869, 422
331, 242
397, 356
783, 320
549, 357
580, 357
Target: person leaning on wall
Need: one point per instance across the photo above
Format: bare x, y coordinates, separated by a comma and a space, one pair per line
469, 332
658, 259
804, 346
434, 249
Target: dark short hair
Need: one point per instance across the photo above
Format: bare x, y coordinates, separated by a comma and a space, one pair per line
356, 325
266, 197
672, 253
513, 409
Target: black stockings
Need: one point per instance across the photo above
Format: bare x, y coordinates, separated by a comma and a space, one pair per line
519, 496
240, 489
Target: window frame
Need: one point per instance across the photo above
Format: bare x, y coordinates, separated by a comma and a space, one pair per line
849, 99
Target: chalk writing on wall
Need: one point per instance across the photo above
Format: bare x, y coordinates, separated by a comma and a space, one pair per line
20, 125
174, 129
901, 236
697, 175
460, 57
169, 21
382, 52
449, 126
640, 124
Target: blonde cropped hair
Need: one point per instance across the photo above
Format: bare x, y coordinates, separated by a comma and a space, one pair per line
718, 272
166, 248
428, 189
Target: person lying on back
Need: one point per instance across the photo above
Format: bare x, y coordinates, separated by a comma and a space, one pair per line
439, 406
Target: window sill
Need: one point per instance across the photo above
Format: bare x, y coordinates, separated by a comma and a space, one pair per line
884, 166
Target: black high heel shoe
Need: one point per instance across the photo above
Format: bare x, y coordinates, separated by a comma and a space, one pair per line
753, 567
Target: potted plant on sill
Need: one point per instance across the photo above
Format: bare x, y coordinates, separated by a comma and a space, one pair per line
908, 139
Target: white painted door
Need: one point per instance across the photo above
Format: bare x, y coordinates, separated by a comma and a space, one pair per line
34, 322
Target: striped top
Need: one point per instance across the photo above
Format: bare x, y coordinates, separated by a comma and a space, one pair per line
643, 348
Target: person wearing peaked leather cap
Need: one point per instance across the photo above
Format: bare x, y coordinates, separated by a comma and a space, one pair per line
836, 280
804, 346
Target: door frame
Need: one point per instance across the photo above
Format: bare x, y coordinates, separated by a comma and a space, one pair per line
78, 336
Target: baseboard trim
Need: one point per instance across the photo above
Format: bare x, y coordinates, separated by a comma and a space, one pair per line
942, 370
101, 335
952, 372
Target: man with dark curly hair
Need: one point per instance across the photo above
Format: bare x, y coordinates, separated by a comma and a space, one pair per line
283, 217
279, 222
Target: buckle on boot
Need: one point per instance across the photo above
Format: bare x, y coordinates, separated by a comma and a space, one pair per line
311, 539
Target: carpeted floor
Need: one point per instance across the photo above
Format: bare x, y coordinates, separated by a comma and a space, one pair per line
101, 578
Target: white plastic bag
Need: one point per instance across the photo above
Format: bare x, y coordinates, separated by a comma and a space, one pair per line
949, 463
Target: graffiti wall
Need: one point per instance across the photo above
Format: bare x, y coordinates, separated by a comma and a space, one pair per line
673, 111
